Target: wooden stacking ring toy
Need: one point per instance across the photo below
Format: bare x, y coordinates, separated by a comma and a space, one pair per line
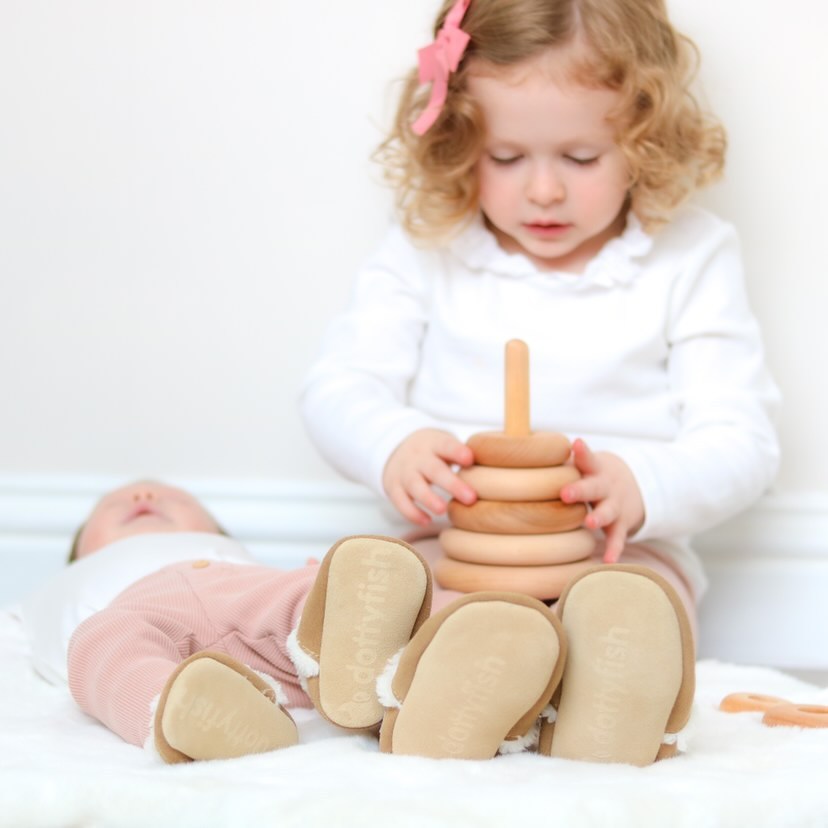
749, 702
507, 518
518, 550
519, 535
796, 715
519, 484
543, 582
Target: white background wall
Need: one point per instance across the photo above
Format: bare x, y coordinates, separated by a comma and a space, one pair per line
185, 193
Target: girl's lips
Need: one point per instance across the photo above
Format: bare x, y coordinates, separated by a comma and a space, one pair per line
547, 231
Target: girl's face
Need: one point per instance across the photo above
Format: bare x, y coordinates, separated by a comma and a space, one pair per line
141, 508
553, 183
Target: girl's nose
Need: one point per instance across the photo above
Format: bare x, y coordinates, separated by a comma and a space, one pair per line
545, 187
143, 495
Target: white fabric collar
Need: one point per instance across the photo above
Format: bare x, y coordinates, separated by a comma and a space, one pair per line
617, 263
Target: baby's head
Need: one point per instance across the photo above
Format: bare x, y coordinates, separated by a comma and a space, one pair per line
140, 508
629, 47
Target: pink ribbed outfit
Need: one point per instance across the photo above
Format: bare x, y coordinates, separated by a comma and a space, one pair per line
120, 658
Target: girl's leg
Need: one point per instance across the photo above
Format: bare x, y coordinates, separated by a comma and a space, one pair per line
643, 555
429, 547
639, 554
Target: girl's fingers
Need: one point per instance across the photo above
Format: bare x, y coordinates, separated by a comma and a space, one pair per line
450, 483
616, 537
453, 451
420, 491
583, 458
407, 508
585, 490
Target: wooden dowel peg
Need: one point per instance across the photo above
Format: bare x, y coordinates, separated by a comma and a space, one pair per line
516, 418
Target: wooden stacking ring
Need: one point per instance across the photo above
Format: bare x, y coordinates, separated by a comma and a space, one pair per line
796, 715
493, 483
543, 582
503, 518
517, 550
535, 450
748, 702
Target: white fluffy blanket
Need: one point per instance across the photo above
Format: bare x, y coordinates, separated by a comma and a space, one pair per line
59, 768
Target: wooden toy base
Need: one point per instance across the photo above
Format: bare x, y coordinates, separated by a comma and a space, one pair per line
543, 582
517, 550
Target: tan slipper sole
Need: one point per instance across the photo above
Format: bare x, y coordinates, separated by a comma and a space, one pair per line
474, 679
371, 594
630, 676
213, 707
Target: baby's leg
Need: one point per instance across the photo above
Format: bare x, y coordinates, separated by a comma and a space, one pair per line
252, 610
119, 661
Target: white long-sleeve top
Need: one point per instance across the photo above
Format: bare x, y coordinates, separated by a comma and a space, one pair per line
652, 353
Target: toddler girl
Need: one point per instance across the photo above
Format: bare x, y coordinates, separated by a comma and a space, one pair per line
542, 159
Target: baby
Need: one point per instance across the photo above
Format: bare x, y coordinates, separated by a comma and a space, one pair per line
170, 634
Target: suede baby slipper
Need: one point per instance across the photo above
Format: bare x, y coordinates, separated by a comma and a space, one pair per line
370, 596
630, 677
213, 707
474, 679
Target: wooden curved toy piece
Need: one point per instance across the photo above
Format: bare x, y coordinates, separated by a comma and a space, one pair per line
796, 715
507, 518
519, 484
517, 550
749, 702
517, 446
542, 582
543, 448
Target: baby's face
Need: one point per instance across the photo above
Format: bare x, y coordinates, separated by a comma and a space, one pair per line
141, 508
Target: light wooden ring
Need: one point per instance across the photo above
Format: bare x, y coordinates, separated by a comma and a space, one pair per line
747, 702
525, 518
517, 550
796, 715
543, 582
539, 449
492, 483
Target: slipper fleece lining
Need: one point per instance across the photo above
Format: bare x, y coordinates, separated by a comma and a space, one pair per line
214, 712
374, 595
486, 666
624, 670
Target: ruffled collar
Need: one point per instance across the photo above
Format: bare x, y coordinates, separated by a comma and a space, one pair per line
618, 262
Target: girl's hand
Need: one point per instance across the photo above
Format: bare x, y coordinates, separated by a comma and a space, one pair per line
423, 460
609, 486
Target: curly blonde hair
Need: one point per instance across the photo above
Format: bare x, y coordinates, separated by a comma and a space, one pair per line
671, 145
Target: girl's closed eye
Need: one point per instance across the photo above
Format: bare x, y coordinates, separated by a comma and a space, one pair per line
504, 159
583, 160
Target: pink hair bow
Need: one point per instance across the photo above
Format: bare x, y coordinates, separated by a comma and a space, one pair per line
438, 60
